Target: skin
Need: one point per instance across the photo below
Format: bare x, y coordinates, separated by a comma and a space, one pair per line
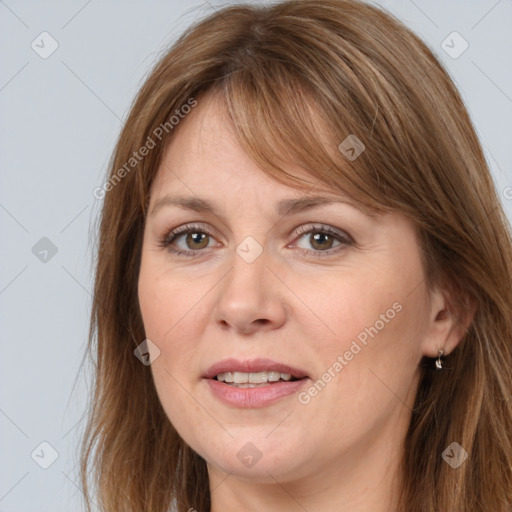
340, 450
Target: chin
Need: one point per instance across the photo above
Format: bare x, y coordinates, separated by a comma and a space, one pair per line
262, 472
261, 461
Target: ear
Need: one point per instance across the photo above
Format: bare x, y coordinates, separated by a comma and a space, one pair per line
447, 324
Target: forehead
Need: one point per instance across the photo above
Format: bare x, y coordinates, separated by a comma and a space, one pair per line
204, 157
203, 153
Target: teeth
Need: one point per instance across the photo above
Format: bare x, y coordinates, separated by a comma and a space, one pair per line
252, 378
240, 378
258, 378
248, 385
273, 376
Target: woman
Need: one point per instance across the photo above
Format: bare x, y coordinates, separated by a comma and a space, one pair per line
304, 279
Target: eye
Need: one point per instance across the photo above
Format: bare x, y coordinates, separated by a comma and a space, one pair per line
322, 238
195, 238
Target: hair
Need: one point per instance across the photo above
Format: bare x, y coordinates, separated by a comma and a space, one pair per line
297, 78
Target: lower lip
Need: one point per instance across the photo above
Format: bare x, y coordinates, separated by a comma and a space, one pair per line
254, 397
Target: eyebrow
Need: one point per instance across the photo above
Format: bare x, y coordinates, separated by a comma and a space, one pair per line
284, 207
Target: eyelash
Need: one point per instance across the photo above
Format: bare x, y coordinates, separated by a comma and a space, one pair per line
344, 239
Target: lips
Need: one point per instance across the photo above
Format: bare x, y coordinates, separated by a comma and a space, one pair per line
253, 395
253, 366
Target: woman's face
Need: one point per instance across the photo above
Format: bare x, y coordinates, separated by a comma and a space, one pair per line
259, 292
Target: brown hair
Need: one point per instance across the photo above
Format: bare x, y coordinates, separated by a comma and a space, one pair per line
297, 78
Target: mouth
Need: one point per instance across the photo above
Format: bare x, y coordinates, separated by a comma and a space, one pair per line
240, 373
254, 379
253, 383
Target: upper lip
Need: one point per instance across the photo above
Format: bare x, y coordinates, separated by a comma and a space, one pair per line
252, 366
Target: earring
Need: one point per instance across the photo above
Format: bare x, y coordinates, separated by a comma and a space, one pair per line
439, 362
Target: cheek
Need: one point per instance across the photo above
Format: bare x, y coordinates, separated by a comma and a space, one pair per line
366, 373
167, 310
351, 308
371, 331
166, 300
166, 307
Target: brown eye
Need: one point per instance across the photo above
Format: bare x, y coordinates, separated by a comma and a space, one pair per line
191, 240
187, 239
196, 240
323, 240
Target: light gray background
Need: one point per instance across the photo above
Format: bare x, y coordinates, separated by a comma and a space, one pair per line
60, 118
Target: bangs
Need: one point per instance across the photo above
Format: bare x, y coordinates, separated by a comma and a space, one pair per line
282, 126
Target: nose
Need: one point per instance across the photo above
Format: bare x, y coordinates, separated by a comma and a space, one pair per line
251, 298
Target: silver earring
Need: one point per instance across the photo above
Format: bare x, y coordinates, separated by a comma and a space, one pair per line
439, 362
